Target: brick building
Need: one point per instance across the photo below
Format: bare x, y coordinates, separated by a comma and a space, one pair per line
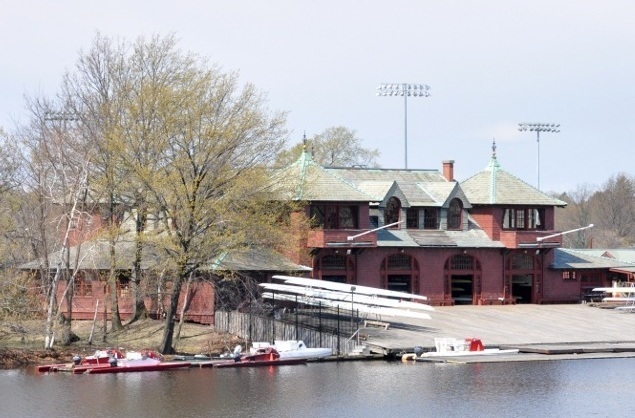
422, 232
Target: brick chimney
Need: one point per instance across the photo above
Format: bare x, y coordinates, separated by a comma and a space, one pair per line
448, 170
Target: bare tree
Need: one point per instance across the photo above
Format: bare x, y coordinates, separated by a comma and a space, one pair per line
55, 172
614, 210
577, 214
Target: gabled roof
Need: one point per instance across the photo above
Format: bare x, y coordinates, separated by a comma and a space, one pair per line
495, 186
417, 195
357, 175
307, 180
256, 259
414, 187
566, 258
95, 255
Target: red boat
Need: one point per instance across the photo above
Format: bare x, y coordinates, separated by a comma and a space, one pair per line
262, 357
99, 358
133, 361
128, 368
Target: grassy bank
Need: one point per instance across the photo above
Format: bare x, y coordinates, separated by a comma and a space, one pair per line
22, 342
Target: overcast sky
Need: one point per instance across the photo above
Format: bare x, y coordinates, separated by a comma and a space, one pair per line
490, 65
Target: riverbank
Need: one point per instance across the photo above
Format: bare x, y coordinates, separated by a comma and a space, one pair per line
22, 342
553, 331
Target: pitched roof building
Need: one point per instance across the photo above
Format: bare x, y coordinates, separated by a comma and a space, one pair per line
479, 241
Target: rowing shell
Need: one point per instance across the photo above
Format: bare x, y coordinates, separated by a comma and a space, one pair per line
342, 287
346, 296
375, 310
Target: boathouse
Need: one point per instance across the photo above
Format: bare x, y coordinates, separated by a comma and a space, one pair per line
490, 239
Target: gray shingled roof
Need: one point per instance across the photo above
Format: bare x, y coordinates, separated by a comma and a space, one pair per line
307, 180
357, 175
417, 195
565, 258
473, 237
257, 259
495, 186
94, 255
419, 187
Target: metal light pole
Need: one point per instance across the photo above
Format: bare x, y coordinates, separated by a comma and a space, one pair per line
539, 127
406, 90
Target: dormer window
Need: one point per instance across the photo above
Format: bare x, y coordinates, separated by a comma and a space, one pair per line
412, 218
430, 218
455, 214
392, 211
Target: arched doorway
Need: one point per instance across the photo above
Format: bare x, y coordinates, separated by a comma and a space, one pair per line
400, 272
463, 279
335, 268
522, 277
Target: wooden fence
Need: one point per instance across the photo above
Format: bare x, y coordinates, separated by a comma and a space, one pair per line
255, 328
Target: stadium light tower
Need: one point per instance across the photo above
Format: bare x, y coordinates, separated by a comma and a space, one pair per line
539, 127
405, 90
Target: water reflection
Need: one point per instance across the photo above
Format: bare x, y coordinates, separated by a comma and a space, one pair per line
369, 389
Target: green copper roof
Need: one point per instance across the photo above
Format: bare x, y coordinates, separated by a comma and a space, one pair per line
495, 186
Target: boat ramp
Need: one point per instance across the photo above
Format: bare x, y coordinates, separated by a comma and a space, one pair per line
539, 332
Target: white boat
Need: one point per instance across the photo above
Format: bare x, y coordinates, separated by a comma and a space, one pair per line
456, 347
294, 349
616, 289
348, 288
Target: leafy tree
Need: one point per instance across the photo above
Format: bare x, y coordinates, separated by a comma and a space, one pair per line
336, 146
193, 145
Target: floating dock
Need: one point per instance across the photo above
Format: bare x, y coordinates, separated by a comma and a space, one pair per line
539, 332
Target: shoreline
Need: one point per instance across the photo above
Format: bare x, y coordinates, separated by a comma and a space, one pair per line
540, 332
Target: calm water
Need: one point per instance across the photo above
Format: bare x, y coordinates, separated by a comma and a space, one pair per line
576, 388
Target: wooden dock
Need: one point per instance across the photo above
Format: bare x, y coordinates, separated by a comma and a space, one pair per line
581, 331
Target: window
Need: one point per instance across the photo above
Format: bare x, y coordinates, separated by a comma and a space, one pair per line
522, 262
82, 286
568, 275
412, 218
454, 214
462, 262
348, 217
123, 286
399, 262
391, 213
334, 216
524, 218
335, 268
333, 262
430, 218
